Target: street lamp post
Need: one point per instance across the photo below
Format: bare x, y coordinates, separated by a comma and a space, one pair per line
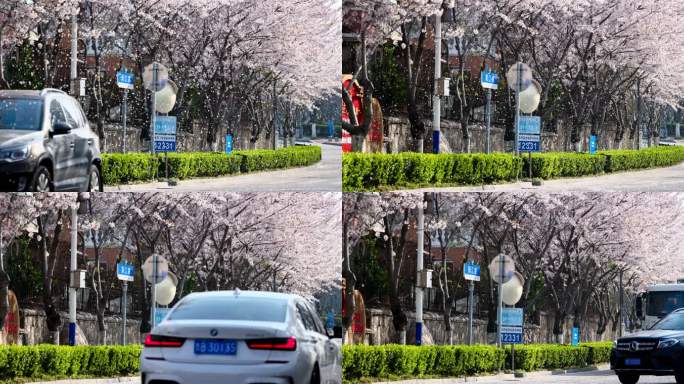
76, 279
419, 270
436, 100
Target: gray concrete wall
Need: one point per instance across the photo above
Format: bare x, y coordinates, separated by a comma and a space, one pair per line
398, 138
35, 329
381, 331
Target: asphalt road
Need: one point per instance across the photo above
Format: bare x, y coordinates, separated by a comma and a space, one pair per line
603, 376
324, 176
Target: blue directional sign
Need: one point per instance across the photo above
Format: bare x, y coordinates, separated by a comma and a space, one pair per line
125, 271
575, 336
471, 271
331, 128
165, 134
160, 314
330, 320
512, 326
125, 80
489, 80
593, 144
529, 125
229, 144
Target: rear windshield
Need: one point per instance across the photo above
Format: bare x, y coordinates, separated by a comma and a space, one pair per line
662, 303
230, 308
673, 322
21, 114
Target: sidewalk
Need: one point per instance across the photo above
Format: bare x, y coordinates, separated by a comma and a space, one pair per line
501, 376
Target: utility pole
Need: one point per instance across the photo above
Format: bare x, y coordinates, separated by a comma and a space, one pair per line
275, 114
72, 268
74, 55
419, 270
436, 100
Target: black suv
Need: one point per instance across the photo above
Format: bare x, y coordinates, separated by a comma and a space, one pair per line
658, 351
46, 143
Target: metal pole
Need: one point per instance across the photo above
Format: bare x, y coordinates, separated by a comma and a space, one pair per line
471, 296
518, 87
153, 115
72, 267
499, 308
74, 54
488, 108
622, 315
436, 100
125, 111
419, 269
153, 294
275, 114
125, 311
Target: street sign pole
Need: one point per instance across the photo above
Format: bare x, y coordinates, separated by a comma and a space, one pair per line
153, 294
125, 111
500, 301
518, 89
153, 118
124, 311
419, 269
488, 108
471, 296
436, 100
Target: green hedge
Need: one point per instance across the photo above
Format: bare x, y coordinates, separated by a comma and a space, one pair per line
362, 172
120, 168
373, 171
363, 361
62, 361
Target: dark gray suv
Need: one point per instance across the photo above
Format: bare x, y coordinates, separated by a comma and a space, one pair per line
46, 143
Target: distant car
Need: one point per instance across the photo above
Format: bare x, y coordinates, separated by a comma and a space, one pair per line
658, 351
46, 143
241, 337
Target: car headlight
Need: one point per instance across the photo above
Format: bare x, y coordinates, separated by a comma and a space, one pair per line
614, 344
15, 154
667, 343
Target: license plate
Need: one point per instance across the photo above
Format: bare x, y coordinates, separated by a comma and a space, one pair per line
632, 362
215, 347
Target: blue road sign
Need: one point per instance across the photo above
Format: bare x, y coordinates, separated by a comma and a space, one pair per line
529, 143
125, 80
593, 144
331, 128
330, 321
160, 314
125, 271
575, 336
529, 125
489, 80
511, 335
229, 144
512, 317
471, 271
165, 134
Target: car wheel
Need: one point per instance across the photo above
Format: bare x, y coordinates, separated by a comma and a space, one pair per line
628, 379
42, 181
316, 375
94, 181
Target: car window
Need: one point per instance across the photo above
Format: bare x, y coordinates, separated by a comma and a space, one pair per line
317, 320
673, 322
74, 113
230, 308
305, 317
21, 114
56, 112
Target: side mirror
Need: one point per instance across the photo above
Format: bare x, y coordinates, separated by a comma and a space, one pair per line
61, 128
639, 307
337, 332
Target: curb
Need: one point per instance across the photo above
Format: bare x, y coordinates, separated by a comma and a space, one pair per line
134, 379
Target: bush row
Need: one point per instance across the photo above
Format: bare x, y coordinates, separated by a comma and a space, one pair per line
118, 168
61, 361
378, 171
363, 361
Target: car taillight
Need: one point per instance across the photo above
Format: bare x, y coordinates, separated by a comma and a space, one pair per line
276, 343
160, 341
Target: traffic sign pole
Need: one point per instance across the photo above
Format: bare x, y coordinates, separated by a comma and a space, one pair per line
518, 89
471, 295
125, 111
488, 108
153, 118
124, 311
153, 294
500, 301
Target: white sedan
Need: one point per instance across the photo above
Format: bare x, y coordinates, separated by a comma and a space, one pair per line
241, 337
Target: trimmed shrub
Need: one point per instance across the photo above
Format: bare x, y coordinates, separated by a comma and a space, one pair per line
61, 361
374, 171
118, 168
363, 361
364, 172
